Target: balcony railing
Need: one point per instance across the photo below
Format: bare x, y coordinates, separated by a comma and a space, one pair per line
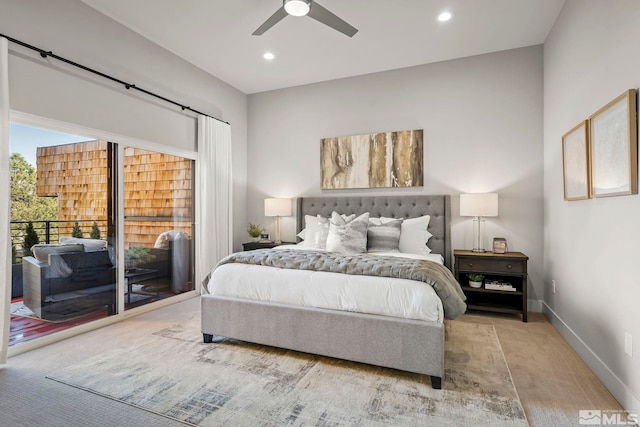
49, 231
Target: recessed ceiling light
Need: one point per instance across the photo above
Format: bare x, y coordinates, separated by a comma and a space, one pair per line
268, 56
444, 16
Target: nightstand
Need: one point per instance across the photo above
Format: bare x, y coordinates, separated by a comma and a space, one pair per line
249, 246
508, 269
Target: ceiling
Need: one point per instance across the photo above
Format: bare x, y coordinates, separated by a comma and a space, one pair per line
215, 35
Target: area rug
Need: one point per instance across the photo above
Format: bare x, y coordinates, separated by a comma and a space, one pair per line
173, 373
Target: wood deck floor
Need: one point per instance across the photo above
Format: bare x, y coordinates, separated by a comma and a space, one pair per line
23, 328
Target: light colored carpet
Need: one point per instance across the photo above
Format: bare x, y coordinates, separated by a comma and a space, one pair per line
173, 373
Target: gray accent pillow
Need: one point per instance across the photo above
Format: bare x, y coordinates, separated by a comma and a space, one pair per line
348, 235
383, 235
414, 235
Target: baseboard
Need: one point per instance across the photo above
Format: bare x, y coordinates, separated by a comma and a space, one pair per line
615, 385
534, 305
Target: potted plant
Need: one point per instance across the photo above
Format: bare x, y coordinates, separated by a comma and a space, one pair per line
475, 280
135, 255
254, 230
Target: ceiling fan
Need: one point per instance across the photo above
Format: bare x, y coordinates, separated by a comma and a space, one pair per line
310, 8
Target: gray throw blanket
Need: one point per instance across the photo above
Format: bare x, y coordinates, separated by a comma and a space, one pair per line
432, 273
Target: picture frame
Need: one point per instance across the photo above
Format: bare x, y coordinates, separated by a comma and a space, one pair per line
265, 237
576, 162
613, 145
499, 245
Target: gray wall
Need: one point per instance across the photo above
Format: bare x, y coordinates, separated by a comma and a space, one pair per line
482, 121
73, 30
591, 246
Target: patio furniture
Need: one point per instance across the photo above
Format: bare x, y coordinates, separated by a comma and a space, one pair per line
53, 292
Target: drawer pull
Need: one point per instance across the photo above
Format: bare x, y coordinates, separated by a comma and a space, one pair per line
470, 264
509, 266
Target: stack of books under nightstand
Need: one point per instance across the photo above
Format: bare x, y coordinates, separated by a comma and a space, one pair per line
498, 285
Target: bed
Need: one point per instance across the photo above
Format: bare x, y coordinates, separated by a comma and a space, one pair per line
384, 340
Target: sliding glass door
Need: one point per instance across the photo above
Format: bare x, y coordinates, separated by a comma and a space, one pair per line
96, 227
63, 239
158, 225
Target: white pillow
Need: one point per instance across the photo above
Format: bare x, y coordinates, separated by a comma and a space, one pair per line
383, 235
165, 238
42, 251
58, 268
348, 235
414, 235
316, 231
89, 244
319, 230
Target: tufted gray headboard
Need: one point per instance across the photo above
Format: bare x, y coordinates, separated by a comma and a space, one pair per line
439, 207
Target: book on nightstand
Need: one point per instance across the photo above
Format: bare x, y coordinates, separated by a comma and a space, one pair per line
499, 286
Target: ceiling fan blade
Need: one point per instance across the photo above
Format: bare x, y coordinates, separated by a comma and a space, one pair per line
273, 20
321, 14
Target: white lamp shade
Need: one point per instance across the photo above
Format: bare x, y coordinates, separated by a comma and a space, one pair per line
277, 207
479, 204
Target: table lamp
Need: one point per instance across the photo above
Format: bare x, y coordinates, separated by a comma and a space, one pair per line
277, 207
478, 205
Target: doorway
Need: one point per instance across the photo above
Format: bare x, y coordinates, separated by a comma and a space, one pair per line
73, 262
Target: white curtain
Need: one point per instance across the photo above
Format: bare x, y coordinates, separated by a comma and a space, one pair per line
5, 212
214, 215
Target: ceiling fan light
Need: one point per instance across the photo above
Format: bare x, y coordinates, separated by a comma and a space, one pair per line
445, 16
297, 7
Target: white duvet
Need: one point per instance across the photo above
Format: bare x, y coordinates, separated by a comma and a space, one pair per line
385, 296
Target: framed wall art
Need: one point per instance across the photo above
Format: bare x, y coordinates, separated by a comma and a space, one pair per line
575, 162
378, 160
614, 147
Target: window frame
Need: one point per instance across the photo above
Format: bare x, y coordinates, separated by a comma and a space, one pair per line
120, 141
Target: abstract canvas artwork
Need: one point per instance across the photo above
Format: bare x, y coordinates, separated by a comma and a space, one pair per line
575, 162
379, 160
614, 147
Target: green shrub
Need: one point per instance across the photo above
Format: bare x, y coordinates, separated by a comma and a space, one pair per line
77, 231
30, 238
95, 231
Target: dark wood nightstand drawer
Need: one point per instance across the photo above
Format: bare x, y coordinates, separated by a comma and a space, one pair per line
492, 265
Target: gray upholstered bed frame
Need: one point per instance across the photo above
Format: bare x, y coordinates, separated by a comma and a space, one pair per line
408, 345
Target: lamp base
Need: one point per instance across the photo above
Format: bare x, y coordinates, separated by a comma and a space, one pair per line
278, 239
478, 234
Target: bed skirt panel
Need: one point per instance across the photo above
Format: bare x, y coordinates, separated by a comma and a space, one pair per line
408, 345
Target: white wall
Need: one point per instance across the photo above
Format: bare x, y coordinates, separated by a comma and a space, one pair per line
49, 89
482, 121
591, 247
